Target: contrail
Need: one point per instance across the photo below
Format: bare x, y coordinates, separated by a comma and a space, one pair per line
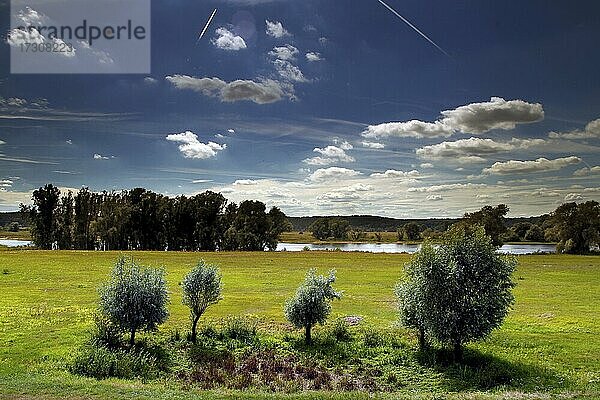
207, 24
414, 27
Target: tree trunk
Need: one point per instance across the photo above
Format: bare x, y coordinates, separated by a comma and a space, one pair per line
132, 339
307, 337
458, 352
194, 325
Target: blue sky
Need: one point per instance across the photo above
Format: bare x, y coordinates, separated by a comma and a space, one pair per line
330, 107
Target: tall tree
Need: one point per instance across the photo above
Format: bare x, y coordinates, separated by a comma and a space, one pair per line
43, 216
577, 226
65, 222
491, 219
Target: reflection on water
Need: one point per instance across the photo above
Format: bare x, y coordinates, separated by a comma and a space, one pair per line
366, 247
14, 243
407, 248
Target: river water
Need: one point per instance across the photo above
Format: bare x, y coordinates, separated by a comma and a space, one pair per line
365, 247
408, 248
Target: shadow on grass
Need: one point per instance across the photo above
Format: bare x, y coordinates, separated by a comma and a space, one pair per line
480, 371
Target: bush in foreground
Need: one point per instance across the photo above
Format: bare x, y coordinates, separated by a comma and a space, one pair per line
311, 304
135, 298
201, 288
457, 292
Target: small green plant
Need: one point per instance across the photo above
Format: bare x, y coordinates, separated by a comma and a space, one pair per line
240, 328
201, 288
340, 330
311, 304
135, 298
101, 363
105, 333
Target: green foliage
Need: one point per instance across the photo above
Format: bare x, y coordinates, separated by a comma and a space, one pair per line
410, 231
241, 328
457, 292
535, 234
201, 288
311, 304
43, 216
101, 363
340, 330
577, 226
330, 227
105, 333
491, 219
135, 298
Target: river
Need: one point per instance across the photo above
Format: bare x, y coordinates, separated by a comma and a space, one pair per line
524, 248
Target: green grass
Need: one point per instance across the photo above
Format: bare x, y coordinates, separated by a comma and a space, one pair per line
551, 338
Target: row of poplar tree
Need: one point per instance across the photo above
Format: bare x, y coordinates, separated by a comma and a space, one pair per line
140, 219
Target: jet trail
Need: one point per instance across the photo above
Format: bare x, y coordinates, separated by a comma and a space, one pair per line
207, 24
414, 27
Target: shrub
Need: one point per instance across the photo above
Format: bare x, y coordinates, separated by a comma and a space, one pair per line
240, 328
311, 304
340, 330
102, 363
135, 298
201, 288
458, 292
105, 333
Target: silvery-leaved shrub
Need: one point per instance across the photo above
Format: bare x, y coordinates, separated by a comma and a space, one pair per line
135, 297
311, 303
201, 288
458, 291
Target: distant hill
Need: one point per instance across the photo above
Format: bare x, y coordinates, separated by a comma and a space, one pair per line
370, 223
367, 223
8, 217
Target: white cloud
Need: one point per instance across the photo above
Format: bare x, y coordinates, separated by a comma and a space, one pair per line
312, 56
474, 118
373, 145
573, 197
288, 71
591, 131
196, 181
261, 92
150, 80
533, 166
477, 118
426, 165
392, 173
191, 147
543, 192
101, 157
332, 174
227, 40
16, 37
446, 187
246, 182
6, 183
466, 149
414, 128
330, 155
434, 197
287, 52
232, 131
276, 29
587, 171
338, 196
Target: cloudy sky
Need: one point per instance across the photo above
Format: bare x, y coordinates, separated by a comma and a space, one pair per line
322, 108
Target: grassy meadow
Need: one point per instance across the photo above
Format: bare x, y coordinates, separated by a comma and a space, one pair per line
550, 341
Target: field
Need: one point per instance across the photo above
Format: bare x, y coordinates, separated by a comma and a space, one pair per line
551, 339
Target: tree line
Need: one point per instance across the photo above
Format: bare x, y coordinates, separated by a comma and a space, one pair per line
140, 219
575, 227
